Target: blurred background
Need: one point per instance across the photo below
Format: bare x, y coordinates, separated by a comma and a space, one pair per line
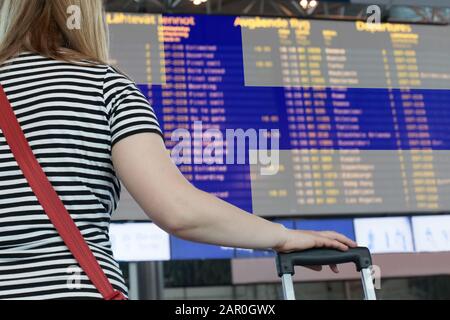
205, 68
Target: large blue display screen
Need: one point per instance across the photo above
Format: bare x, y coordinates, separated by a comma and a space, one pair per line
206, 72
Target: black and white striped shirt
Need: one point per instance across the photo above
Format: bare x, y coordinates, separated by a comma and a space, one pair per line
71, 115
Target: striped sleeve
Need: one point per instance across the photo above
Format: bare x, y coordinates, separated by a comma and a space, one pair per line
129, 111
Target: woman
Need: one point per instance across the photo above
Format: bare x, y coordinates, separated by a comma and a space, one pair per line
88, 125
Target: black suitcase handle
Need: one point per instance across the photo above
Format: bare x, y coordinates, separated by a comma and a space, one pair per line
286, 262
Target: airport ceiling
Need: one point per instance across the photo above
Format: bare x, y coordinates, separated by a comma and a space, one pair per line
422, 11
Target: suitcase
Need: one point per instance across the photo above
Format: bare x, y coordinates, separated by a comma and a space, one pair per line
360, 256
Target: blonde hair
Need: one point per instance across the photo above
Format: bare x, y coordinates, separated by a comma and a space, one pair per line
41, 26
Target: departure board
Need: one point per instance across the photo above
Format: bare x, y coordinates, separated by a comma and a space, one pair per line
361, 112
305, 53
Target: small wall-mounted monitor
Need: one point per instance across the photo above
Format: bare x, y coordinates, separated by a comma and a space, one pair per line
139, 242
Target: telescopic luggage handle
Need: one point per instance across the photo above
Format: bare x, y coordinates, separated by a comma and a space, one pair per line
360, 256
286, 262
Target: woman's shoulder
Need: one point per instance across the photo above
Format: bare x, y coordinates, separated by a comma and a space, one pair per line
27, 63
115, 77
113, 70
30, 57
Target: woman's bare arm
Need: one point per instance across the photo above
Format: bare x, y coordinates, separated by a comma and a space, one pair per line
144, 166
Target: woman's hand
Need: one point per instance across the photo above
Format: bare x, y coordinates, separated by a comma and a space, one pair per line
298, 240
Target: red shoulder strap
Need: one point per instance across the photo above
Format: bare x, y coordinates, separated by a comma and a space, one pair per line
51, 203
